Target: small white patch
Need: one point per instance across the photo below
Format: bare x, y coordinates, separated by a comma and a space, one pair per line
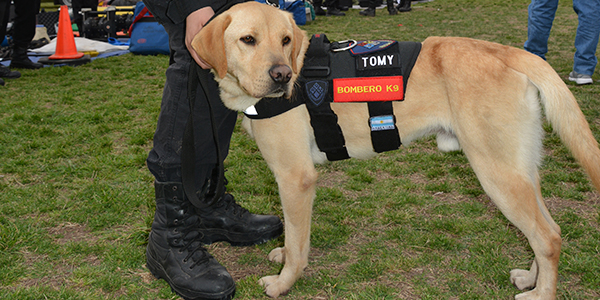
251, 111
447, 141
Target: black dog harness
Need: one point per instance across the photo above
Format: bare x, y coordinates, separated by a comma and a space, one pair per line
372, 72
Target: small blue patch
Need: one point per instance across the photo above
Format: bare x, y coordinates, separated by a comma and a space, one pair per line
365, 47
380, 123
316, 91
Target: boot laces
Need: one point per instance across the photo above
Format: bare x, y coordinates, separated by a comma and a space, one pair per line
192, 237
230, 205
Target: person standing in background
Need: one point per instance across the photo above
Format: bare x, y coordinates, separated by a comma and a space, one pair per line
23, 32
332, 8
370, 11
541, 16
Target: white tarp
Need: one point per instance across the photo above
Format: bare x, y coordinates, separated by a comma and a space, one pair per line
82, 44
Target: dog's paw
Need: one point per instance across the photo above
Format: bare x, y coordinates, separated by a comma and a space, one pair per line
534, 295
277, 255
273, 288
523, 279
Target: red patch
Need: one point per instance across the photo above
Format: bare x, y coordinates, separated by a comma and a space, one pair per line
365, 89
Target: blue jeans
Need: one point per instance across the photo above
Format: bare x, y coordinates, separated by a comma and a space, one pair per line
541, 16
164, 160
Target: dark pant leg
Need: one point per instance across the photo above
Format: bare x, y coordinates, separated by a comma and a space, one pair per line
331, 3
25, 20
4, 15
164, 160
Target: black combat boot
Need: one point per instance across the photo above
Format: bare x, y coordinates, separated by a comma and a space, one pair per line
390, 7
5, 72
319, 11
225, 220
334, 11
20, 60
175, 251
369, 12
404, 6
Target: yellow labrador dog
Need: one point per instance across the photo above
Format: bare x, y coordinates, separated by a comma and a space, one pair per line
481, 97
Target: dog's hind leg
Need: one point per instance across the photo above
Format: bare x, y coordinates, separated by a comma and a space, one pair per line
504, 149
526, 279
515, 191
515, 195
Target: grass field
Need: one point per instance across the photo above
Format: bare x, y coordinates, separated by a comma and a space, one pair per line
77, 201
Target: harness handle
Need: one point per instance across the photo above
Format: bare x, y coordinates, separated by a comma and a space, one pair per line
351, 44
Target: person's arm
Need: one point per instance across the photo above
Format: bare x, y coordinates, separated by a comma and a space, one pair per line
177, 11
194, 13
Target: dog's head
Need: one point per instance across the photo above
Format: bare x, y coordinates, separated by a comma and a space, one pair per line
256, 51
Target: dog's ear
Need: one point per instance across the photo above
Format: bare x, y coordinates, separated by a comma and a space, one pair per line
300, 44
209, 43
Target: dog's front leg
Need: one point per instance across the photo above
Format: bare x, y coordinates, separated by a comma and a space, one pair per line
284, 143
297, 190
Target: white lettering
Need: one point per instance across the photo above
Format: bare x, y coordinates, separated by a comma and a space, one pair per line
373, 61
378, 61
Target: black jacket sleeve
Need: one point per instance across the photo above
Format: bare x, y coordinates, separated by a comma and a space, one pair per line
175, 11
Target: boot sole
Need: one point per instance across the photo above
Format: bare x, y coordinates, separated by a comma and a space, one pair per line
28, 67
158, 272
215, 235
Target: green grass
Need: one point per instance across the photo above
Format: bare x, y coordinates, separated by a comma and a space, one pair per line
76, 199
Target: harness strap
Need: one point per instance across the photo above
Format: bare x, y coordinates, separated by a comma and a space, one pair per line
188, 151
317, 62
384, 133
328, 134
410, 52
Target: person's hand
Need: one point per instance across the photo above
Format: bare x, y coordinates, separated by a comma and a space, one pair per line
193, 24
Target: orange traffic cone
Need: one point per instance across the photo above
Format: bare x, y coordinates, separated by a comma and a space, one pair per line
66, 50
65, 41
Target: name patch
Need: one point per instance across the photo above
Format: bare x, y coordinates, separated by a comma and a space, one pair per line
380, 61
365, 89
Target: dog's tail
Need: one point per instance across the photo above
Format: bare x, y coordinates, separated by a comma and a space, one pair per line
563, 112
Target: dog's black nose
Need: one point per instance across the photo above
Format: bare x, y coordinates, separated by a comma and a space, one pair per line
281, 73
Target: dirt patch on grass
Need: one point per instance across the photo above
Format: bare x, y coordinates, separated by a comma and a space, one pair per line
32, 261
72, 232
587, 209
43, 273
332, 179
230, 258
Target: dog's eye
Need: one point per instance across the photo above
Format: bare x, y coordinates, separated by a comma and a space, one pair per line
286, 40
248, 40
